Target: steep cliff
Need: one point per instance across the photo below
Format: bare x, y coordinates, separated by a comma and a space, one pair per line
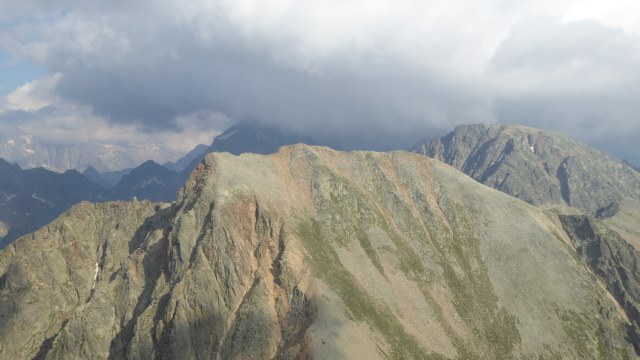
308, 253
612, 259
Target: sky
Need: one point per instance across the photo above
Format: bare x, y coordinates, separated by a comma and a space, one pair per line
376, 74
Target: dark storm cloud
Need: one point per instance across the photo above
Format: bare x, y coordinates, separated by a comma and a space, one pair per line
151, 69
381, 76
235, 79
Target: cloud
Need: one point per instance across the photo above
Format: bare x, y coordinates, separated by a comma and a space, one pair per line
377, 73
35, 108
578, 77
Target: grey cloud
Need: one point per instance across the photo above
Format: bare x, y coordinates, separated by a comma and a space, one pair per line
546, 44
152, 64
582, 79
174, 73
15, 117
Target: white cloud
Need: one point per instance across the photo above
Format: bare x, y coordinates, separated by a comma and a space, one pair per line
31, 96
40, 112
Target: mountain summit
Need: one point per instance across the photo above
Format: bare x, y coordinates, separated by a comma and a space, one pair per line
540, 167
309, 253
250, 137
255, 137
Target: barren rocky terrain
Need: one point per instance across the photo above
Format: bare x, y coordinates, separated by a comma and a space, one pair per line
311, 253
541, 167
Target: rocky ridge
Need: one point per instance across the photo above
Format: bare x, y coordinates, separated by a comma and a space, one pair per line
613, 260
308, 253
543, 168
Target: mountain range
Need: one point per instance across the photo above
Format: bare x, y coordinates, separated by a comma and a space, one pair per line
310, 253
149, 180
314, 253
32, 198
30, 152
106, 179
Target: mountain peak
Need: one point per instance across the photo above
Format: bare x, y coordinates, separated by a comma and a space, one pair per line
255, 137
308, 253
538, 166
250, 137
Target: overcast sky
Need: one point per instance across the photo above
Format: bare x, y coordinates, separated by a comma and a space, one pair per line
372, 73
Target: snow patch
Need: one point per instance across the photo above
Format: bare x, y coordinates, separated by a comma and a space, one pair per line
144, 184
533, 149
11, 143
7, 197
95, 276
34, 196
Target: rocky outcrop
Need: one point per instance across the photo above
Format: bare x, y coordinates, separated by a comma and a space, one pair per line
625, 220
308, 253
540, 167
613, 260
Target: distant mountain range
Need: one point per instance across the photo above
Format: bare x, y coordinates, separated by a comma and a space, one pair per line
107, 179
150, 180
32, 198
30, 152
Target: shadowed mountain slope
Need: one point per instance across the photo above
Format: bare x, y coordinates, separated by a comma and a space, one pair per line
183, 162
626, 221
150, 181
308, 253
540, 167
31, 198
